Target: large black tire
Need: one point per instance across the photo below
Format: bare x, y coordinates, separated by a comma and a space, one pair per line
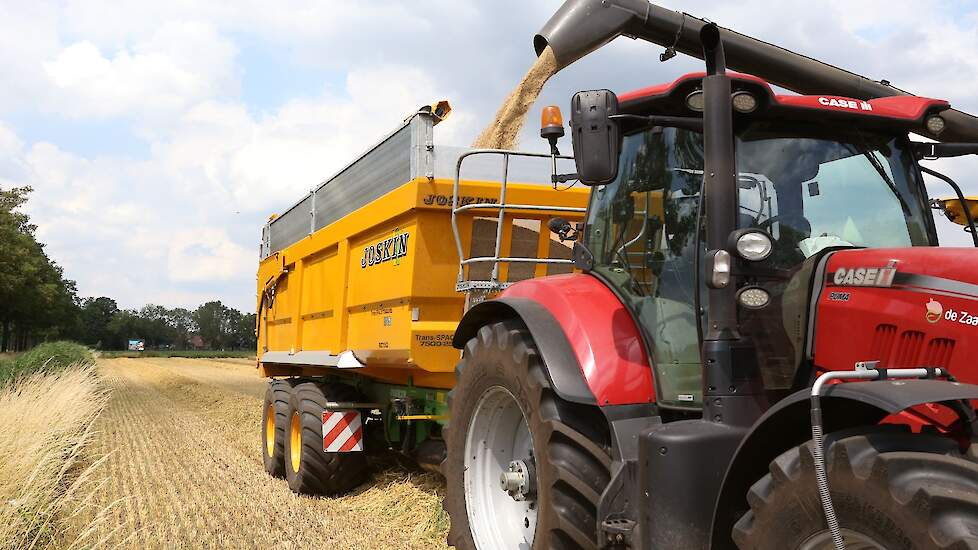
893, 488
570, 442
317, 472
275, 425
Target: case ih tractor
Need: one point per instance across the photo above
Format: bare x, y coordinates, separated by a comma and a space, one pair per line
761, 349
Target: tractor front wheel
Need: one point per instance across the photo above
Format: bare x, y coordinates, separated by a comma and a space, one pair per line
891, 490
525, 469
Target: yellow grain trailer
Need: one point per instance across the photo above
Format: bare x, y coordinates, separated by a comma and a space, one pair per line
359, 294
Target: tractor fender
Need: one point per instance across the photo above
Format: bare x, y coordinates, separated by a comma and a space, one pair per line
788, 424
555, 351
589, 343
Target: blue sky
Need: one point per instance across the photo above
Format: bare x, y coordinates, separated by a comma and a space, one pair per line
159, 136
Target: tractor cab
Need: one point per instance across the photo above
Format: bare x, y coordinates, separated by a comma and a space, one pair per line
814, 173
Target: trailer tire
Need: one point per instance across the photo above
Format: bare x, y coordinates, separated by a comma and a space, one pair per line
275, 425
890, 488
569, 449
308, 469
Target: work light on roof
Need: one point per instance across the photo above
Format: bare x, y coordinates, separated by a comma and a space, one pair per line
744, 102
696, 101
935, 124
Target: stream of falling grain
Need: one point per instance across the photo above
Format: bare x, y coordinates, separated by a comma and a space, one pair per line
504, 130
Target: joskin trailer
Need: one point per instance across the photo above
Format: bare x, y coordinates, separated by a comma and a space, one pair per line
358, 295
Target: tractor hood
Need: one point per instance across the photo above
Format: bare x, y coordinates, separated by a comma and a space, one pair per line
904, 307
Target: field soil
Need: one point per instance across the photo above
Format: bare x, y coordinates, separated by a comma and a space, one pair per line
185, 471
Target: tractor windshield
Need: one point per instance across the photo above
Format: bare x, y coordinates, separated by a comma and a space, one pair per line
827, 187
810, 190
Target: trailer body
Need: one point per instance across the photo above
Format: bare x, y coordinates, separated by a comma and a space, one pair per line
365, 267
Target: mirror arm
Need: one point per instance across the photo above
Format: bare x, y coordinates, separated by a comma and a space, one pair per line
694, 124
931, 151
964, 203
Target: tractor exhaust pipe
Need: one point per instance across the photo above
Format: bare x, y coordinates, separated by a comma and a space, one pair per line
581, 26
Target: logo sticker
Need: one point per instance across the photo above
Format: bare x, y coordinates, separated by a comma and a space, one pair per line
934, 311
866, 276
393, 248
845, 103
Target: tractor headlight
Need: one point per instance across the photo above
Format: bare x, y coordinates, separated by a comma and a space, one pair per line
753, 244
753, 297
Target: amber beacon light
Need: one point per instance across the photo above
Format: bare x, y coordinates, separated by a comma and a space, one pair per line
551, 123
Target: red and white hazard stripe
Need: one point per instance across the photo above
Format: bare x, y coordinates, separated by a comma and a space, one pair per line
342, 431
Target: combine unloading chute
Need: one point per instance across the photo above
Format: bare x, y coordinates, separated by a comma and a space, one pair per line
582, 26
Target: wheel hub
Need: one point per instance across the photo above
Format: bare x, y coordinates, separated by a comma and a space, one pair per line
518, 480
854, 540
499, 478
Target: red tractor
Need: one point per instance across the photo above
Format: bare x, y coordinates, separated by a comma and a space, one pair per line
761, 349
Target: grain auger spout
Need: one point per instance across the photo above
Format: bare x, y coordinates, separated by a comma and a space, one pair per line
582, 26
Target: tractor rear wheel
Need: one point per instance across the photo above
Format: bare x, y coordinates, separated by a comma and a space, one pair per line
525, 469
308, 468
891, 490
275, 426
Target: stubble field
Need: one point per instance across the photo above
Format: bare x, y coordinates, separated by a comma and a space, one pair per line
185, 471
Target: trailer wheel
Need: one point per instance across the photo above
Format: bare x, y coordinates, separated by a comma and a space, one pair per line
891, 490
525, 469
308, 469
274, 426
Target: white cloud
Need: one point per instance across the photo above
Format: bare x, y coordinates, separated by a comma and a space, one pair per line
180, 64
180, 224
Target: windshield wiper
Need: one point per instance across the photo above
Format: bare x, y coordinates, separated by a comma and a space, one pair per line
871, 157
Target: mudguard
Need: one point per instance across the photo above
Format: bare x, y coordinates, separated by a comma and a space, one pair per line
556, 352
587, 339
788, 424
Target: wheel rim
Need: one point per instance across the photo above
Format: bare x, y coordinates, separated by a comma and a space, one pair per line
270, 430
854, 541
497, 437
295, 441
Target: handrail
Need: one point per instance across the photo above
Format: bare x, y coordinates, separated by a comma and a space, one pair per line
502, 207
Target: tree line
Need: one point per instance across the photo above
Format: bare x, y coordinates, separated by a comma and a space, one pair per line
37, 303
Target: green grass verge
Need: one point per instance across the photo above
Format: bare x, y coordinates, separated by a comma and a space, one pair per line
46, 357
190, 354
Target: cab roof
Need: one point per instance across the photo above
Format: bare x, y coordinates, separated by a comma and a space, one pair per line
903, 112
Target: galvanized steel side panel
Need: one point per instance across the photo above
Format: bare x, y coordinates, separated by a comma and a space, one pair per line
403, 155
379, 172
290, 227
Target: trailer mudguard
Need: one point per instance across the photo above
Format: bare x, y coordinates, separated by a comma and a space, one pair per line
788, 424
588, 341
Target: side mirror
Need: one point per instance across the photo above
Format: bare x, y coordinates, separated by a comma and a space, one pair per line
596, 136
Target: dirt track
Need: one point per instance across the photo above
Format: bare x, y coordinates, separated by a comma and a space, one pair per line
186, 469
